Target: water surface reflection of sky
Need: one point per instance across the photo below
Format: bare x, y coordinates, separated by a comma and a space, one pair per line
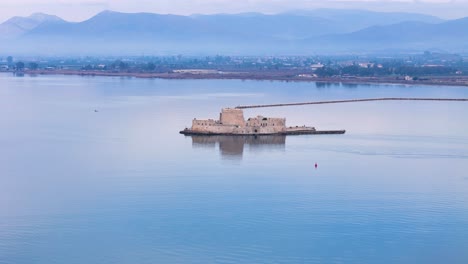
121, 185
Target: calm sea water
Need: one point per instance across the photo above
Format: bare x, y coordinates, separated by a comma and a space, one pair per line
120, 185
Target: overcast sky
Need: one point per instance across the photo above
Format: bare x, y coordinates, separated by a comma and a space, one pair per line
78, 10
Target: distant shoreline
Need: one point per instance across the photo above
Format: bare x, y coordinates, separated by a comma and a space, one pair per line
263, 76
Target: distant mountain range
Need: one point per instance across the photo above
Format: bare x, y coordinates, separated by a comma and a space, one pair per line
299, 32
18, 26
451, 36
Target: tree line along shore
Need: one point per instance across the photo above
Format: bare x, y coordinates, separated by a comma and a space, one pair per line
424, 68
264, 75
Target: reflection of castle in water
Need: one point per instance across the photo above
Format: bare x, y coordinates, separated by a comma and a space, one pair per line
234, 145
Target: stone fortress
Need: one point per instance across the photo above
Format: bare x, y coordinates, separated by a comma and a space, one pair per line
231, 122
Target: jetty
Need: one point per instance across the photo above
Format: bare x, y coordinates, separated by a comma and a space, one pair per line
356, 101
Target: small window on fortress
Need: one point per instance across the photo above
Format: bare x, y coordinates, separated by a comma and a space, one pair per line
265, 118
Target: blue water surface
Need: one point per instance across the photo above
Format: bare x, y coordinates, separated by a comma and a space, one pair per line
121, 185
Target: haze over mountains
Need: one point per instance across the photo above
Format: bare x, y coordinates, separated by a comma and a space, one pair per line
292, 33
18, 26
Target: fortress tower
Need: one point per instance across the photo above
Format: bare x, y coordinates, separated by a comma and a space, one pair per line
232, 117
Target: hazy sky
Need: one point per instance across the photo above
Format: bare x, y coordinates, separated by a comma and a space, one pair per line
78, 10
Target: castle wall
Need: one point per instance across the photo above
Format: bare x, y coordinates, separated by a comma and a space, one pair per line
218, 129
207, 122
230, 116
232, 122
264, 125
214, 126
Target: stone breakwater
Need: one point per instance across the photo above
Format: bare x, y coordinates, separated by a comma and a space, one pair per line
356, 101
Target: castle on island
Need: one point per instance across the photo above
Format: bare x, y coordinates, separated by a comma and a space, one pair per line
232, 122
